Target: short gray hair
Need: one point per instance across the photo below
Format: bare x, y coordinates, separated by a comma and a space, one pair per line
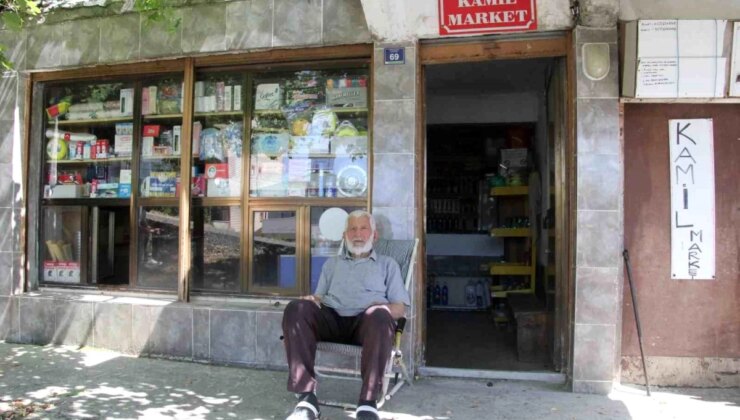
360, 213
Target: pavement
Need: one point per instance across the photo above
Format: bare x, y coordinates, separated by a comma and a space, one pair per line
69, 383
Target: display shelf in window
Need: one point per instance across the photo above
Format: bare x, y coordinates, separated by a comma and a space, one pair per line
88, 141
218, 133
309, 134
160, 160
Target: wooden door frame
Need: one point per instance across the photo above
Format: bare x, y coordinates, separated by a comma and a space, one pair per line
447, 51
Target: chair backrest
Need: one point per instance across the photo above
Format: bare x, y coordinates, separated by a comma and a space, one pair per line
403, 251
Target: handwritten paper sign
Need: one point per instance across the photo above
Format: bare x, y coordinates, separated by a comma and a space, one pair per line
692, 199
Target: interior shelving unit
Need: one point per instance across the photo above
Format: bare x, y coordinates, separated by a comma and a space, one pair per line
519, 248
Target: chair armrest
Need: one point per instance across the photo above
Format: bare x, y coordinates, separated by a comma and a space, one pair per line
400, 325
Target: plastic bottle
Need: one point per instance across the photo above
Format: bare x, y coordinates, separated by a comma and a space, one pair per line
437, 295
430, 292
479, 293
445, 295
487, 294
470, 294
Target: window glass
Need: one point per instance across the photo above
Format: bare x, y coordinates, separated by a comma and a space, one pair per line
161, 111
274, 250
63, 245
88, 140
218, 132
309, 134
327, 231
158, 251
216, 248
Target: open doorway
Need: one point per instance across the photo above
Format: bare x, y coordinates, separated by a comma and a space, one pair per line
493, 162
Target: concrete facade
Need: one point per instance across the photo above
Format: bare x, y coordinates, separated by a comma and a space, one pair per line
248, 333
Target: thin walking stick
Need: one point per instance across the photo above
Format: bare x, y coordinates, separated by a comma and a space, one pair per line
626, 256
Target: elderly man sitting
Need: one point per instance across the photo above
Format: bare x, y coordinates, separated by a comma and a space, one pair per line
358, 298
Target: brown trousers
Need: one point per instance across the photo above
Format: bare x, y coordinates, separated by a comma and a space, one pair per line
305, 324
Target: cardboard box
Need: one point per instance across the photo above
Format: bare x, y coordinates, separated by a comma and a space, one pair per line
217, 170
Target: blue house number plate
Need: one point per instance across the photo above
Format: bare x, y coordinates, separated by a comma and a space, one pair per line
395, 55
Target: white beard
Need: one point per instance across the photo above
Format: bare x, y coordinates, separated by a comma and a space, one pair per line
359, 250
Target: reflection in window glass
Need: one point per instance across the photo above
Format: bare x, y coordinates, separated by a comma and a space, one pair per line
327, 229
216, 248
158, 247
274, 262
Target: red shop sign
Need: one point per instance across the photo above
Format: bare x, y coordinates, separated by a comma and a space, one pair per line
458, 17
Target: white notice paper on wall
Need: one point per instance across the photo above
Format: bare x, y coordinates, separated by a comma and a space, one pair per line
657, 78
657, 38
681, 59
692, 199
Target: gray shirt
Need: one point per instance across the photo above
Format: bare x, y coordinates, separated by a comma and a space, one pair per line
350, 286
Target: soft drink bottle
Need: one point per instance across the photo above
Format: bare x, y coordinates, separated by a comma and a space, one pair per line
445, 294
437, 295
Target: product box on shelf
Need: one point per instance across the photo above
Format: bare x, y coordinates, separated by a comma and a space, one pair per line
223, 187
126, 101
198, 186
123, 144
267, 96
124, 190
68, 272
107, 190
160, 184
67, 191
124, 177
355, 145
347, 97
237, 97
152, 130
147, 146
513, 159
217, 170
125, 128
309, 144
62, 271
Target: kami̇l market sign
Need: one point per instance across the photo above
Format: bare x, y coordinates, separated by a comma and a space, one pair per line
463, 17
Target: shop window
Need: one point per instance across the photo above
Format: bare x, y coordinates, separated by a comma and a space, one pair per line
271, 152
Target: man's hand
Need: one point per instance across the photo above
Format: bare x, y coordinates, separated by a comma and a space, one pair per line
313, 298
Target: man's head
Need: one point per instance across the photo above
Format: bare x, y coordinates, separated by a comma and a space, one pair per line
359, 232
